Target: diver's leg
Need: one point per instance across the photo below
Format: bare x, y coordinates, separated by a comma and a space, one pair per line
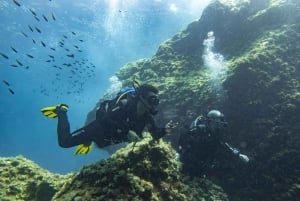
63, 130
80, 136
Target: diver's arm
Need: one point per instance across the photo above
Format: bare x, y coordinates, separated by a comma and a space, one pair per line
197, 126
235, 152
229, 148
156, 132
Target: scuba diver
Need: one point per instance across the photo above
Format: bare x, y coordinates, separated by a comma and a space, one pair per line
119, 120
203, 145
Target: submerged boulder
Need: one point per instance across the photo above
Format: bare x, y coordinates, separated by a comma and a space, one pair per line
22, 179
147, 170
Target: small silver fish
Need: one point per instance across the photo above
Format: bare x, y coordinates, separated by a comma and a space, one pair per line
17, 3
43, 44
30, 56
19, 62
11, 91
13, 49
4, 55
30, 28
38, 30
32, 12
45, 18
53, 17
5, 82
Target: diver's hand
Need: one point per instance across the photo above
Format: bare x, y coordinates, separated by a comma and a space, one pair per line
170, 126
132, 136
244, 158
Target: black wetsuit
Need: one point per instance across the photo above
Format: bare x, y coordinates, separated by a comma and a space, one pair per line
110, 129
200, 150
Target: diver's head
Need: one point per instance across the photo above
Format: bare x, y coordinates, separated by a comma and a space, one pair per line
148, 95
215, 121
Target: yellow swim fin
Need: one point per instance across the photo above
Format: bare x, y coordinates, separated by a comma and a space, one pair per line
50, 111
83, 149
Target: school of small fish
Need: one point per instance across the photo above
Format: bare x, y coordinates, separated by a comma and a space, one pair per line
77, 66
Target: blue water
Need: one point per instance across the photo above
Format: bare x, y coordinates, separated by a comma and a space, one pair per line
102, 36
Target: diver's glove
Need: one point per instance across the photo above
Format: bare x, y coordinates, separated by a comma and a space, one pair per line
83, 149
170, 126
132, 136
244, 158
235, 151
161, 132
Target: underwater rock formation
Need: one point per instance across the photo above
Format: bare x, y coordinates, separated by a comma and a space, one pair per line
22, 179
258, 89
147, 170
256, 43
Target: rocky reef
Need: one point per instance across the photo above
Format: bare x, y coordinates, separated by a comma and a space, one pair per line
147, 170
22, 179
258, 91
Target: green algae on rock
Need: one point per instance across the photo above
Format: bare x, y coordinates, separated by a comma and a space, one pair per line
260, 42
23, 180
149, 171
